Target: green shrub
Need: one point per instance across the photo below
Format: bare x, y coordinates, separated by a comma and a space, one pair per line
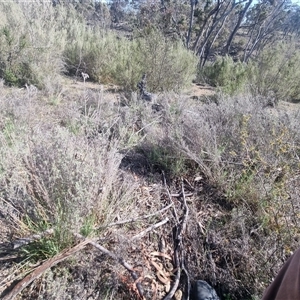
32, 38
274, 74
230, 76
276, 71
167, 63
109, 58
91, 51
167, 159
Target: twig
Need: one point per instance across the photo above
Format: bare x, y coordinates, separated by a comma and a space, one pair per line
180, 195
147, 125
184, 221
140, 217
170, 197
177, 277
24, 241
8, 257
187, 276
186, 213
178, 247
141, 234
120, 260
42, 268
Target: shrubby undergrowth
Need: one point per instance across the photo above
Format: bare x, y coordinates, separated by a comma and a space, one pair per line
111, 58
83, 159
273, 74
40, 42
248, 156
76, 166
32, 40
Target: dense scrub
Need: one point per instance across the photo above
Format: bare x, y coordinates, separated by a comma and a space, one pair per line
94, 159
83, 162
273, 74
41, 42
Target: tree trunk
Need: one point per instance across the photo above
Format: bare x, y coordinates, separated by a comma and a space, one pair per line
210, 14
207, 52
188, 38
237, 26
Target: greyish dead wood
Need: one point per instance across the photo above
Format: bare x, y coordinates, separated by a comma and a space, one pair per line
24, 241
170, 197
141, 234
140, 217
180, 229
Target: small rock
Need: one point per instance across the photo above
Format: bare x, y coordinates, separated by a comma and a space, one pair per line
198, 178
203, 291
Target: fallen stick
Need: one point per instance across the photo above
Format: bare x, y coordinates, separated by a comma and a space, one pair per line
180, 195
183, 229
8, 257
141, 217
170, 197
127, 266
186, 213
42, 268
141, 234
178, 247
187, 276
24, 241
177, 277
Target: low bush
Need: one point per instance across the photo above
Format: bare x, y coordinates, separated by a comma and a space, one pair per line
32, 39
248, 159
79, 165
68, 181
109, 58
276, 72
226, 74
273, 74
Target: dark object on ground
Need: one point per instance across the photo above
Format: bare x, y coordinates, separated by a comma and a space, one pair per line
286, 285
147, 96
157, 107
142, 87
203, 291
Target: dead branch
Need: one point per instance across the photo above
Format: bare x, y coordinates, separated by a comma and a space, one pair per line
187, 276
24, 241
186, 213
170, 197
180, 195
177, 277
42, 268
178, 248
141, 234
184, 221
8, 257
127, 266
140, 217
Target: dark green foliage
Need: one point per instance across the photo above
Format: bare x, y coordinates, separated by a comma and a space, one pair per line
109, 58
274, 74
230, 76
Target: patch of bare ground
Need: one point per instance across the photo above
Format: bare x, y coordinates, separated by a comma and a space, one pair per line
201, 90
195, 91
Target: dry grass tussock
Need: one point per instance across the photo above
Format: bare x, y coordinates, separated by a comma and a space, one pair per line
86, 161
